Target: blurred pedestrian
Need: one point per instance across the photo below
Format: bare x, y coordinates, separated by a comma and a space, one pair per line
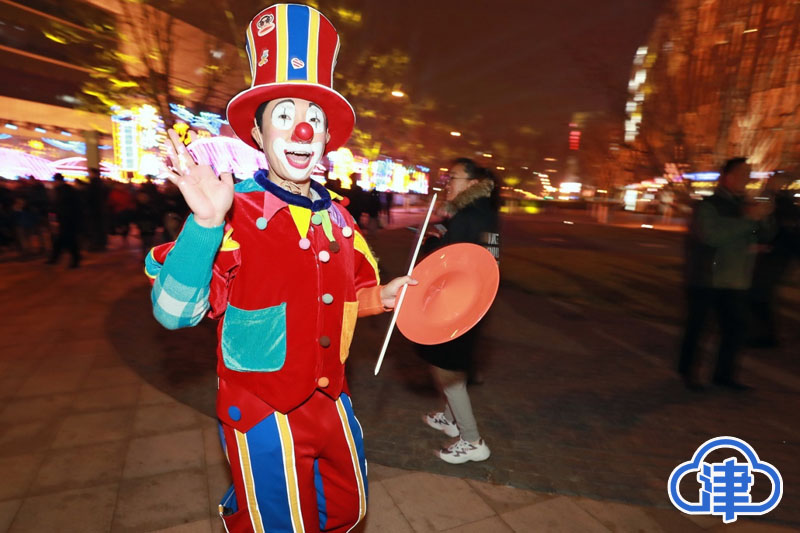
122, 207
97, 219
68, 211
373, 211
473, 219
357, 204
148, 214
773, 261
719, 271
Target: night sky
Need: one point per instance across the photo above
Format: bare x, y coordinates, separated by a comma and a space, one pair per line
516, 63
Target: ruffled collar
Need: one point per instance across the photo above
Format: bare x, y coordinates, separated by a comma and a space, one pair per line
324, 202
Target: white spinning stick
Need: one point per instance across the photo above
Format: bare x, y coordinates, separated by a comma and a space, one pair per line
403, 291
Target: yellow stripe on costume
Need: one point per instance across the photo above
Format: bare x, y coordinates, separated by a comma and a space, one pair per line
253, 53
302, 219
153, 257
290, 471
228, 244
351, 443
249, 482
360, 244
313, 45
282, 26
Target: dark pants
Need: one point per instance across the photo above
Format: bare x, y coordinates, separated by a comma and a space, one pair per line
67, 237
730, 307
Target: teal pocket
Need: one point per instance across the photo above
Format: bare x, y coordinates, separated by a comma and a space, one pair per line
254, 341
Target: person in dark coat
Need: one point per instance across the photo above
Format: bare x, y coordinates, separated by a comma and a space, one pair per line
68, 210
723, 232
773, 262
473, 219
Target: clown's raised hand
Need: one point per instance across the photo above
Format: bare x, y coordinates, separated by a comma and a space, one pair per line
208, 196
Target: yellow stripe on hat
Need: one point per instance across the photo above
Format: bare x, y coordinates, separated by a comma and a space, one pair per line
313, 45
302, 219
290, 471
282, 25
253, 53
249, 482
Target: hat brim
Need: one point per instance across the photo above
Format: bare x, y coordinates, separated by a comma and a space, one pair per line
340, 115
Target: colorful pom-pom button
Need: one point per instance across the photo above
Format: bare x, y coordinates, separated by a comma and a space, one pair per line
261, 223
333, 246
324, 341
304, 243
316, 219
323, 382
327, 299
324, 256
347, 231
234, 413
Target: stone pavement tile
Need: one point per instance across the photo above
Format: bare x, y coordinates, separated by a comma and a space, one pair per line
8, 510
163, 418
63, 359
154, 502
35, 408
44, 383
106, 398
622, 518
168, 452
750, 526
383, 516
9, 385
219, 481
200, 526
558, 514
503, 498
17, 471
488, 525
150, 395
672, 520
106, 360
83, 510
82, 466
88, 428
211, 442
26, 437
378, 472
113, 375
432, 502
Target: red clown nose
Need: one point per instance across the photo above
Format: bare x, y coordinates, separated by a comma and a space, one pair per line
303, 133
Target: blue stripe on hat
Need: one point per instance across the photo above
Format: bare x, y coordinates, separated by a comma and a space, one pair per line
298, 21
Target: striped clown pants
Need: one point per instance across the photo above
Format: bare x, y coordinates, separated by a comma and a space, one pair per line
304, 471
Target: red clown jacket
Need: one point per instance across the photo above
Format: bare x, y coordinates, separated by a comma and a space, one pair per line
287, 278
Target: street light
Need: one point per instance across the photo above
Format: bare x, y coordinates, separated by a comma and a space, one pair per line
550, 159
398, 94
488, 155
455, 133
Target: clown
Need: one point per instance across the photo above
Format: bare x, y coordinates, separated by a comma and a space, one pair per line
287, 272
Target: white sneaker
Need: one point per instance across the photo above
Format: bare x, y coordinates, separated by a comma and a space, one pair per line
440, 422
463, 451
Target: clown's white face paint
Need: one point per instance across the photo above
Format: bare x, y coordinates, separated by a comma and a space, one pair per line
292, 160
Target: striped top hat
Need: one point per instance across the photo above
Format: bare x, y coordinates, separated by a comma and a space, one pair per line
292, 50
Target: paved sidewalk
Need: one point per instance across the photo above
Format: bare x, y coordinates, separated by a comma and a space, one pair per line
98, 437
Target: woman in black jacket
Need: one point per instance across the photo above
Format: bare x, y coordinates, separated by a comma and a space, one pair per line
472, 206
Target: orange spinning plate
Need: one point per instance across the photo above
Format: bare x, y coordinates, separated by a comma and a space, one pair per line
457, 285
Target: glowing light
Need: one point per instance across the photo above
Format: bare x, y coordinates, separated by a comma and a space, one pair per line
36, 145
69, 146
398, 94
647, 226
550, 159
570, 187
66, 134
183, 90
751, 30
501, 168
569, 223
443, 169
488, 155
56, 38
11, 127
40, 130
455, 133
